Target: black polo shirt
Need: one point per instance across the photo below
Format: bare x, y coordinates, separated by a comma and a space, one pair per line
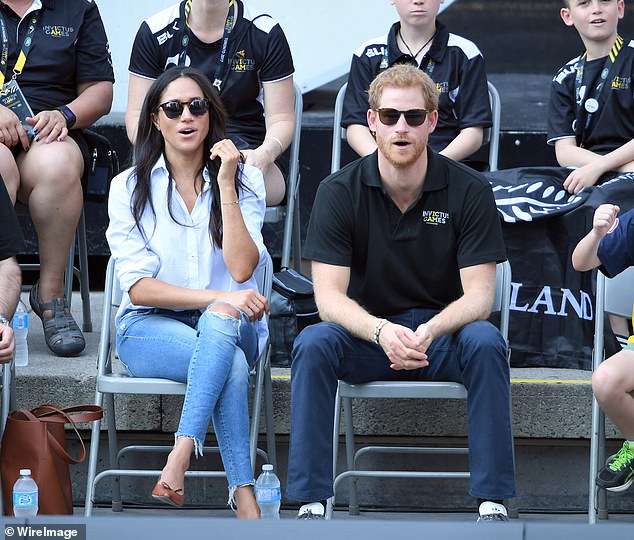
401, 261
257, 52
69, 47
456, 65
11, 241
613, 124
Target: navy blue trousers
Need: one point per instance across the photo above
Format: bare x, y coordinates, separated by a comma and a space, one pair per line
474, 356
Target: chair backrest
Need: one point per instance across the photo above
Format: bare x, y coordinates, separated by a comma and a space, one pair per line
288, 210
619, 293
614, 296
338, 133
491, 135
502, 296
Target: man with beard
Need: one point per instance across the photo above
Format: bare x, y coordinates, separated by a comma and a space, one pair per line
403, 244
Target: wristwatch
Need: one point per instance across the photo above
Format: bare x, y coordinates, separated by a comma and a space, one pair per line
68, 115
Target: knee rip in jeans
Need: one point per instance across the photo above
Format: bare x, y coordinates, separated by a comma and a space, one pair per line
224, 310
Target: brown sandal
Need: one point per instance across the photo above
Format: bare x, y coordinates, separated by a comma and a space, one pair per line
162, 492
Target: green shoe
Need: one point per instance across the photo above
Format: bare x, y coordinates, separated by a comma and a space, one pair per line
618, 473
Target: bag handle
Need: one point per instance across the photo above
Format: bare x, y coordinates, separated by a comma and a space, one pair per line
54, 415
78, 413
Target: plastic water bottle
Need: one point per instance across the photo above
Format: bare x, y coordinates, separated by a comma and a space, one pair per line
25, 495
21, 330
268, 493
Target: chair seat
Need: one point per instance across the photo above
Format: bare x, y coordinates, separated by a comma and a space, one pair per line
118, 383
404, 389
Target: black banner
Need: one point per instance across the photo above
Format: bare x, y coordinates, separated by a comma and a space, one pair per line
552, 305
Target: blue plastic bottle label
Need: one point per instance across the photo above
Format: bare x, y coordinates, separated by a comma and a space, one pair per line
20, 321
25, 499
265, 495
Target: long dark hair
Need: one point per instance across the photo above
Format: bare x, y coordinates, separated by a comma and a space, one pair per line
150, 144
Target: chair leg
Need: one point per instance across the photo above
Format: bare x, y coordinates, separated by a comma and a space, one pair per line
602, 495
330, 503
270, 416
84, 281
92, 460
81, 272
297, 234
113, 446
353, 505
255, 413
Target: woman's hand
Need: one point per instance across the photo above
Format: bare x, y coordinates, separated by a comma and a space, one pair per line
249, 301
49, 126
229, 157
12, 131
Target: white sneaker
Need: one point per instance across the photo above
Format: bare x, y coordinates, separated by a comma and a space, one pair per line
490, 511
311, 511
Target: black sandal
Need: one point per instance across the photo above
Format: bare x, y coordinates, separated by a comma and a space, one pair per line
61, 333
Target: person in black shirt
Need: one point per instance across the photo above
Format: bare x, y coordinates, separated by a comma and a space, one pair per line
454, 63
57, 53
254, 77
404, 244
10, 276
590, 119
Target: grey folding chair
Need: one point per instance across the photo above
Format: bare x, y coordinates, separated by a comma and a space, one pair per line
80, 271
109, 384
614, 296
289, 211
404, 390
491, 135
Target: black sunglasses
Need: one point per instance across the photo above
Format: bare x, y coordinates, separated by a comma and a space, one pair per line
173, 109
413, 117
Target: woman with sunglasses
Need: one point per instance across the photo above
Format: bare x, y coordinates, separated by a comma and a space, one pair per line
246, 56
185, 233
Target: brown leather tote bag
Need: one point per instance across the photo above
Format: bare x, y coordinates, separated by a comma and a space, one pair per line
36, 440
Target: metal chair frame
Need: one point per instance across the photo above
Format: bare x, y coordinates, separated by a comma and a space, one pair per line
109, 384
614, 296
405, 390
290, 211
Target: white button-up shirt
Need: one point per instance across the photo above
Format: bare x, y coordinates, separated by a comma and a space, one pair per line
178, 248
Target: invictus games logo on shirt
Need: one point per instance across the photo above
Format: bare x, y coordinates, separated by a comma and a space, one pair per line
442, 87
58, 30
240, 63
621, 83
435, 217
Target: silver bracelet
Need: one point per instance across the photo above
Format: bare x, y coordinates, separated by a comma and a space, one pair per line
5, 321
377, 330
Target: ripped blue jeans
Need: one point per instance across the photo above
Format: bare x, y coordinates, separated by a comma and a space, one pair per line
213, 353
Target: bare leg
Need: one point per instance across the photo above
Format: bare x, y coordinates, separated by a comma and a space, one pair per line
247, 507
177, 463
619, 325
612, 384
9, 172
274, 184
51, 185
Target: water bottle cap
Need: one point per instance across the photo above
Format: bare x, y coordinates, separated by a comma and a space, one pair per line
267, 467
25, 472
